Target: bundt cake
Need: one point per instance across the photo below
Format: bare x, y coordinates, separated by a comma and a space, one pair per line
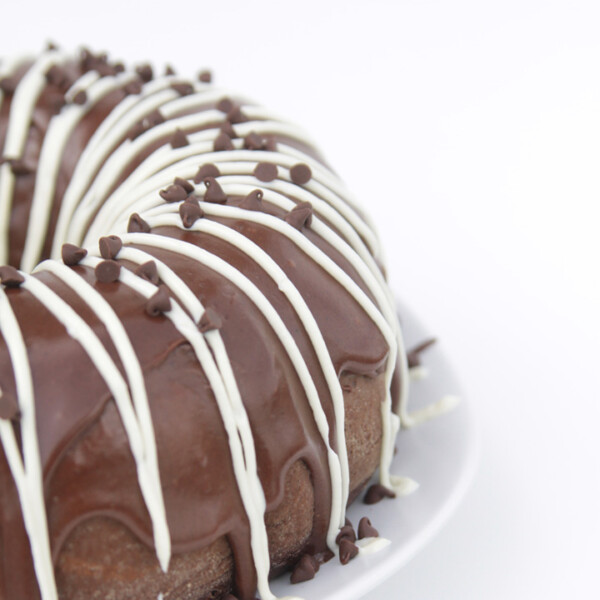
200, 360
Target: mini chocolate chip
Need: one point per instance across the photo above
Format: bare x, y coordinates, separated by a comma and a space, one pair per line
300, 216
222, 143
346, 533
365, 529
210, 320
178, 139
300, 174
80, 97
72, 255
414, 354
50, 45
253, 141
9, 408
235, 115
183, 89
190, 212
148, 271
8, 85
214, 192
10, 277
207, 170
227, 129
348, 551
169, 70
159, 302
376, 493
57, 77
104, 70
205, 76
153, 118
253, 201
185, 184
174, 193
305, 569
133, 88
225, 105
107, 271
119, 67
137, 224
145, 72
323, 557
110, 246
265, 171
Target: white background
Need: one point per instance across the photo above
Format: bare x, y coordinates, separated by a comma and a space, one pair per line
471, 131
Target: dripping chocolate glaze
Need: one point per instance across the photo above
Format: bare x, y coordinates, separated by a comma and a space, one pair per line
86, 458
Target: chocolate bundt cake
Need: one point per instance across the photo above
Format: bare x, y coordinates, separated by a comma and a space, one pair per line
200, 360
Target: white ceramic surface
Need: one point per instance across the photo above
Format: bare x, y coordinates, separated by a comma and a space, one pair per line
441, 455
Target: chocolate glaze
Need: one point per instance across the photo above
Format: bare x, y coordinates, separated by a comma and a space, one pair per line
86, 458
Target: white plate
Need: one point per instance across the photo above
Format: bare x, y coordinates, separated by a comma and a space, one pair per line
441, 455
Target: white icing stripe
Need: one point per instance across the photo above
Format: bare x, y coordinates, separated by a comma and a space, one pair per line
272, 317
55, 141
81, 332
27, 472
137, 387
234, 418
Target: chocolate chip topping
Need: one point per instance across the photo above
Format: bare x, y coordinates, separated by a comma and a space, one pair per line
207, 170
80, 97
110, 246
178, 139
365, 529
300, 216
8, 85
72, 255
346, 533
137, 224
169, 70
133, 87
210, 320
253, 201
150, 120
235, 115
223, 142
190, 212
9, 408
376, 493
227, 129
414, 354
119, 68
158, 303
107, 271
185, 184
253, 141
205, 76
174, 193
300, 174
305, 569
348, 551
148, 271
225, 105
57, 77
145, 72
10, 277
214, 192
183, 89
265, 171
